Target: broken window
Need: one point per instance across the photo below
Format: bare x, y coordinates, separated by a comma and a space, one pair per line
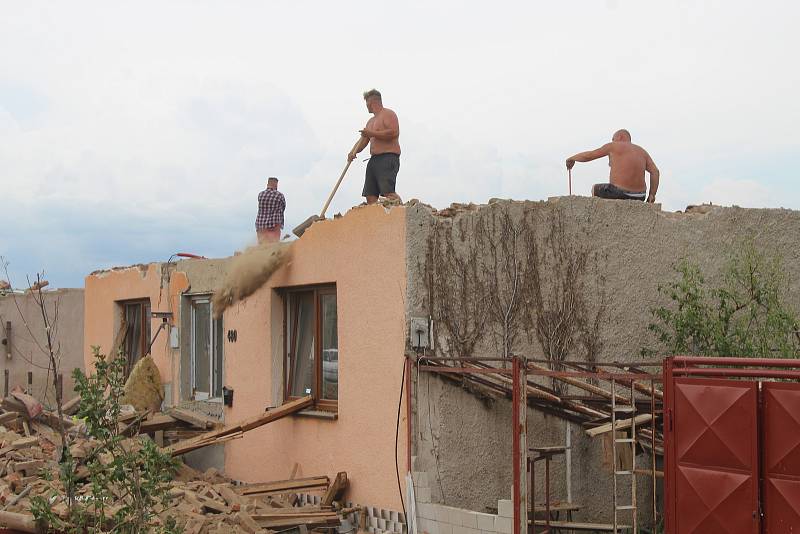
136, 326
206, 350
312, 344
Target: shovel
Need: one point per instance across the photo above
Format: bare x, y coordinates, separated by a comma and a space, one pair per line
303, 226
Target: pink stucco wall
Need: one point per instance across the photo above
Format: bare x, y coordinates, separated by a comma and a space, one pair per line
101, 316
364, 254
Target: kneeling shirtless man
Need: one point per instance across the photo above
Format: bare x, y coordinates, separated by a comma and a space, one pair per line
628, 163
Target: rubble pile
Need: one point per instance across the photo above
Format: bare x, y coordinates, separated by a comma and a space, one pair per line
201, 503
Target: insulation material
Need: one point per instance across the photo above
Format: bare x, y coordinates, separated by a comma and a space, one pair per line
248, 272
143, 390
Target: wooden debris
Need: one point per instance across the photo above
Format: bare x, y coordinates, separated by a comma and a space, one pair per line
621, 424
201, 503
219, 436
280, 487
32, 406
71, 406
338, 486
21, 522
195, 419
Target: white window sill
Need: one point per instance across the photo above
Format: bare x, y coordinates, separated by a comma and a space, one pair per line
319, 414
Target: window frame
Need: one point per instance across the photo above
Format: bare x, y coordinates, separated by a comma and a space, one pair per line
206, 298
145, 317
318, 290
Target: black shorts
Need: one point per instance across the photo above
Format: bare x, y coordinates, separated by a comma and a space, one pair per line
613, 192
381, 174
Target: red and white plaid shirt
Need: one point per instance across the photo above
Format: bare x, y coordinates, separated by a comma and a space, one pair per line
271, 205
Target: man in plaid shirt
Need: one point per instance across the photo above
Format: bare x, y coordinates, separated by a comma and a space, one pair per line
269, 220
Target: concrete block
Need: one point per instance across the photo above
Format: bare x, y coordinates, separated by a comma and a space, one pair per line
381, 523
371, 530
420, 479
455, 517
445, 528
373, 522
393, 515
503, 525
485, 521
385, 514
505, 508
423, 494
469, 520
460, 529
427, 511
431, 527
442, 513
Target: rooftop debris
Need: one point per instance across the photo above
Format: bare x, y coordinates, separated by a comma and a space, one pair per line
199, 502
248, 272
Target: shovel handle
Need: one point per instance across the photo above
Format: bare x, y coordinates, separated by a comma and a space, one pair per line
336, 187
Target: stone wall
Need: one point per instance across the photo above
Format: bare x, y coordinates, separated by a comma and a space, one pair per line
572, 278
28, 341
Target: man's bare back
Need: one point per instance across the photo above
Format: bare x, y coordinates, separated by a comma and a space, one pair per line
628, 164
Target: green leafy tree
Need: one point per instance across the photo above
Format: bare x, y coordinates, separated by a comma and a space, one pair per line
744, 315
127, 478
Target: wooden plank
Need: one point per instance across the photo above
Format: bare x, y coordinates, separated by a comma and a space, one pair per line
20, 522
338, 486
621, 425
571, 525
8, 417
71, 406
647, 473
210, 438
285, 486
329, 520
157, 422
195, 419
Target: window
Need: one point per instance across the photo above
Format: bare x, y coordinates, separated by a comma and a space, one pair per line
206, 350
312, 344
136, 324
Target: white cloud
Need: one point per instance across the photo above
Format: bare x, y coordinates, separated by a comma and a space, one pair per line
166, 117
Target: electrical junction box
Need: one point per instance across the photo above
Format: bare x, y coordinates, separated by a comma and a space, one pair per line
174, 337
420, 333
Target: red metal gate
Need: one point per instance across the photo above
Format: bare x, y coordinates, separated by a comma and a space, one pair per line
732, 447
781, 451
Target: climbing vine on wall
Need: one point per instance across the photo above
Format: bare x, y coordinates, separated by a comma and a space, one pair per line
507, 273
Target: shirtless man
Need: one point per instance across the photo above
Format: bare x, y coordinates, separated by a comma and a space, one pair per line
382, 134
628, 163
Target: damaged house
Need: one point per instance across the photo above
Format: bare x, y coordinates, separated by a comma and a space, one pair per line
363, 300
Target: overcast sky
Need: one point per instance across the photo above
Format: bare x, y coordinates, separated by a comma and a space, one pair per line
130, 131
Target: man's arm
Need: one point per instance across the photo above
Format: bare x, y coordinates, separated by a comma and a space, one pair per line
590, 155
651, 168
362, 143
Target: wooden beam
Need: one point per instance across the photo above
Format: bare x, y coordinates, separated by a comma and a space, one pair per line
621, 425
338, 486
592, 527
215, 436
285, 486
20, 522
193, 418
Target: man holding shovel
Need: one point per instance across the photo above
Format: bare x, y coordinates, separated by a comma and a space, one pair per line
382, 134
